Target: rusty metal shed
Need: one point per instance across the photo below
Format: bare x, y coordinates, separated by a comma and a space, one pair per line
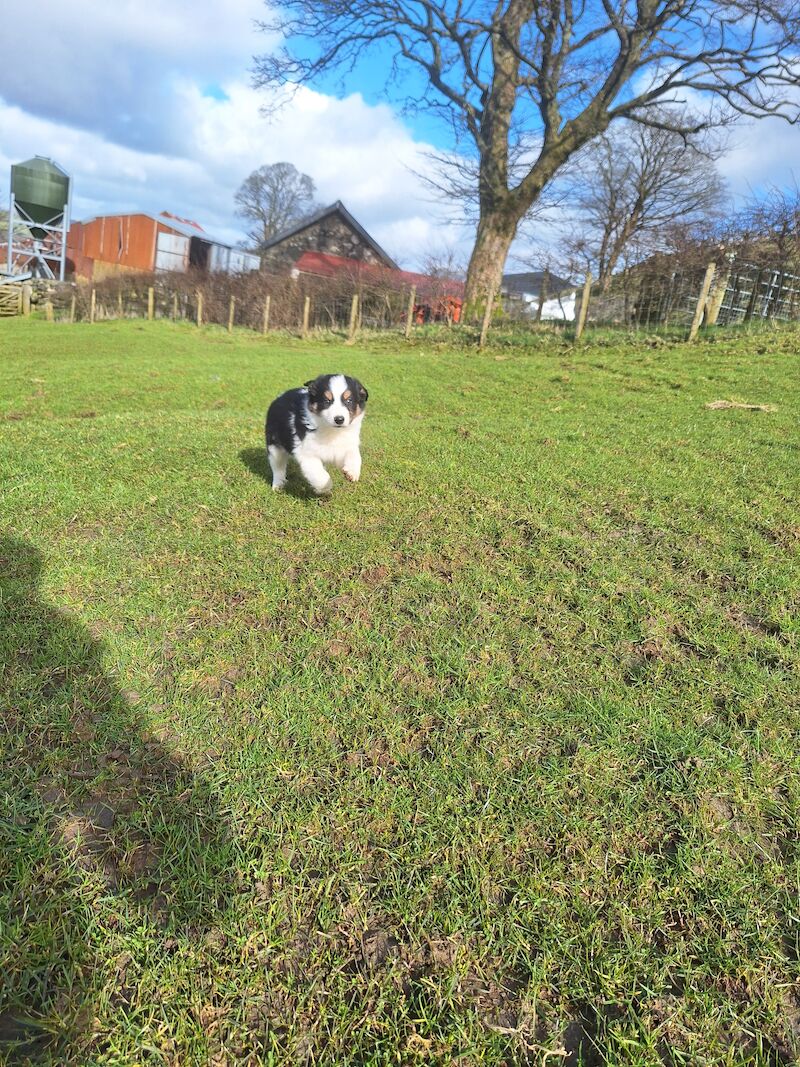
139, 241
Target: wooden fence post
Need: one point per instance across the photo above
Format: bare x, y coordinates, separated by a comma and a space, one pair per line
92, 305
199, 307
150, 302
265, 324
72, 309
27, 291
583, 311
306, 316
716, 298
174, 307
48, 310
351, 335
412, 300
701, 301
119, 303
231, 312
487, 318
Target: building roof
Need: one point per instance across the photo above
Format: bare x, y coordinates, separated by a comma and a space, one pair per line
185, 227
184, 222
329, 266
531, 282
332, 209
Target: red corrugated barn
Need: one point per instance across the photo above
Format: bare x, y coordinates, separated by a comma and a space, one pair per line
111, 244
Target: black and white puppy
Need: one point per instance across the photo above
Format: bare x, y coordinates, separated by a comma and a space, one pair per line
315, 425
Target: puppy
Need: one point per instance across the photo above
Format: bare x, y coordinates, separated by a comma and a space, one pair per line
315, 425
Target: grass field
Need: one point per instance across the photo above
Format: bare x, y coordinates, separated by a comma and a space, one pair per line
489, 759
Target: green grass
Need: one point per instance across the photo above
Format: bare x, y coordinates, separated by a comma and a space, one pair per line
491, 755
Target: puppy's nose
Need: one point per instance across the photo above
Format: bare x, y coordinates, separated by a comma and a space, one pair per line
338, 419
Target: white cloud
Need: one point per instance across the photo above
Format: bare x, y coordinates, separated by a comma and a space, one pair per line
355, 152
762, 153
149, 107
111, 67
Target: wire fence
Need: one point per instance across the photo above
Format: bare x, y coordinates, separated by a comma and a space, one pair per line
660, 301
252, 301
758, 293
660, 296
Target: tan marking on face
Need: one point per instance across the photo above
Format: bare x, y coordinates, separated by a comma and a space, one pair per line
328, 395
346, 394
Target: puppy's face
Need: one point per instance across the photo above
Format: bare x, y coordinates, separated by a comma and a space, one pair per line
336, 399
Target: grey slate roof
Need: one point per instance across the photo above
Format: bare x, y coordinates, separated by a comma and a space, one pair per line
531, 282
339, 207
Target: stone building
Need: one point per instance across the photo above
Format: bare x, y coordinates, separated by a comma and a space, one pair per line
333, 231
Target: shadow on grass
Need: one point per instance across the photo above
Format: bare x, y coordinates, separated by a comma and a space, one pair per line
255, 459
111, 849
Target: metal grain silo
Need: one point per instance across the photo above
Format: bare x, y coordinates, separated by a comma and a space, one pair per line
38, 218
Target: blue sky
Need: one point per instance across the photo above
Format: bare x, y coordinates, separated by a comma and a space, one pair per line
151, 107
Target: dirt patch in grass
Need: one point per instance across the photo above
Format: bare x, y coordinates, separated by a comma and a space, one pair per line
377, 575
376, 756
786, 537
221, 686
788, 1043
752, 624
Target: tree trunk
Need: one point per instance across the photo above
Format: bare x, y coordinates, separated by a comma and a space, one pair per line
613, 257
485, 271
544, 293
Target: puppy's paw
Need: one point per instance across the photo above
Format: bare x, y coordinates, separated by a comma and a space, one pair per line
278, 487
324, 490
350, 476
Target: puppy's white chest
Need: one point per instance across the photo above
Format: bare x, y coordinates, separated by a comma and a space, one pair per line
331, 446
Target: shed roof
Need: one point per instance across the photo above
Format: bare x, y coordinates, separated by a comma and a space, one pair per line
337, 207
185, 227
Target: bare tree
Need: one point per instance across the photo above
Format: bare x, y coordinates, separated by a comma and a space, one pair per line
767, 229
556, 73
763, 232
272, 198
443, 262
632, 185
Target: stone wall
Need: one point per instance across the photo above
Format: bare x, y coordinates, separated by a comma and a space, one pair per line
330, 234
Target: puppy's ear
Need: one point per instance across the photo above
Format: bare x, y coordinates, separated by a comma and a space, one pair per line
313, 394
362, 394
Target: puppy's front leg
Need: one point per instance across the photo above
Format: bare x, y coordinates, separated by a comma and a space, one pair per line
351, 468
316, 475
